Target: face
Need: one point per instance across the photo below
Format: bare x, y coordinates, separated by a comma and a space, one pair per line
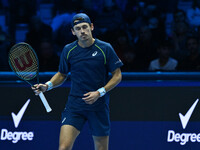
83, 31
192, 45
145, 34
153, 23
164, 52
181, 27
179, 16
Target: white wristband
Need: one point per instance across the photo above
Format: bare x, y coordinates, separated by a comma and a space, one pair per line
102, 91
50, 85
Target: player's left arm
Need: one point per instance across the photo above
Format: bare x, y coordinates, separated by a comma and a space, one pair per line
114, 81
91, 97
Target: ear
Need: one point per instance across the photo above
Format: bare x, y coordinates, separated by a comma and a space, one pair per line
92, 26
73, 31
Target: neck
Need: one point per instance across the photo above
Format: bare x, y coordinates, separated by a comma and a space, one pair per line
193, 56
163, 61
86, 43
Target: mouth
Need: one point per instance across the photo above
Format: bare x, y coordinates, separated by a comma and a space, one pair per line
83, 35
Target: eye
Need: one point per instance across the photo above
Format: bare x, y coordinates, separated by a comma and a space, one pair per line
85, 27
77, 28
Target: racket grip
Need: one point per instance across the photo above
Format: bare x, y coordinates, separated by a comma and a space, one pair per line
45, 103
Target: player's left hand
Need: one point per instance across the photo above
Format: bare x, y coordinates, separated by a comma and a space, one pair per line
91, 97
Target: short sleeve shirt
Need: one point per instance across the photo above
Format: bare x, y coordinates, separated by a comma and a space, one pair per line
89, 68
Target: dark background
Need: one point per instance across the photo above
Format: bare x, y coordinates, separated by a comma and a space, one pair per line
140, 101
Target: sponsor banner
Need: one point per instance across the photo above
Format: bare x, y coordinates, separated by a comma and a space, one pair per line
145, 116
30, 135
128, 135
154, 136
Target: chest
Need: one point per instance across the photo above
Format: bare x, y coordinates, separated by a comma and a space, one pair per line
87, 58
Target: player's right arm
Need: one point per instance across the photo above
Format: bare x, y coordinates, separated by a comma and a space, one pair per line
60, 76
55, 81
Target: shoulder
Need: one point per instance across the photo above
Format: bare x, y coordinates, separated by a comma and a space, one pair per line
102, 44
70, 46
105, 47
155, 61
154, 65
173, 60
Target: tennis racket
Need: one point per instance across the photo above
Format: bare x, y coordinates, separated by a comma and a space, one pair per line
24, 62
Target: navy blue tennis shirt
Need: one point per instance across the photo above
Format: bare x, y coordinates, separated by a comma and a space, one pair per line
89, 69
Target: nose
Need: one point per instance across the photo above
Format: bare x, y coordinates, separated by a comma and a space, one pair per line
82, 30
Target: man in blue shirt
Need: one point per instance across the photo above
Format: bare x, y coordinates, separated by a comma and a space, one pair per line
89, 60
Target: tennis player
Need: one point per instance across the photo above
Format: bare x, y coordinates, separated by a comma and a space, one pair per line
89, 60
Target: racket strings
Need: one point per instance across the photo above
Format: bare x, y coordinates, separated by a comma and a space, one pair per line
24, 61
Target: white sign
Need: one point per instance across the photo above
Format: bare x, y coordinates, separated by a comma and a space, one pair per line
17, 135
183, 138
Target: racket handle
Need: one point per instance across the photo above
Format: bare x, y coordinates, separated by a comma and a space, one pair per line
45, 103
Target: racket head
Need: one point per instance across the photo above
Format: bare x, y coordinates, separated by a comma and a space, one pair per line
23, 61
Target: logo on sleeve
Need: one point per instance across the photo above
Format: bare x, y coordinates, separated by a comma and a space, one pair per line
119, 61
95, 53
